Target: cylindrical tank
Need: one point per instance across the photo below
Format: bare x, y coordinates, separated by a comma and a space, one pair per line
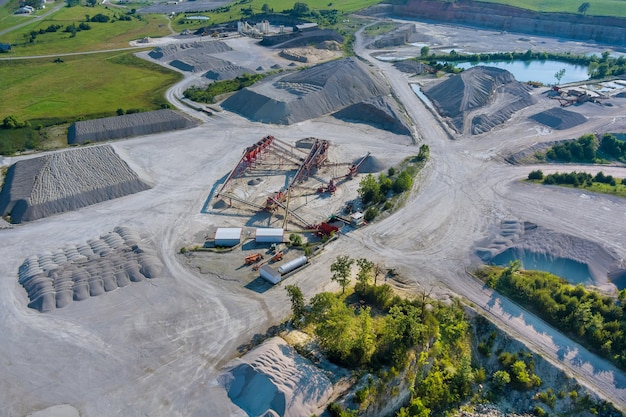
291, 265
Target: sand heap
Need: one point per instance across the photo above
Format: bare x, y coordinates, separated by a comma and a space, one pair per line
308, 94
128, 125
491, 90
559, 119
273, 380
53, 279
66, 181
382, 112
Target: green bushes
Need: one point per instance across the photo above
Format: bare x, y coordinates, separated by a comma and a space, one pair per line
589, 148
594, 320
208, 94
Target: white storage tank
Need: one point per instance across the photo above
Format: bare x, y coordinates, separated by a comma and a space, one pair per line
227, 236
291, 265
269, 274
268, 235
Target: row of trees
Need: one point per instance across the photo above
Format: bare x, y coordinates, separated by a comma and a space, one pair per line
208, 94
596, 321
576, 179
589, 148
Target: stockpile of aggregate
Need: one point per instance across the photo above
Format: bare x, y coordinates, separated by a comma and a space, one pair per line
301, 39
228, 71
492, 89
313, 92
380, 112
75, 273
371, 165
559, 119
274, 380
182, 50
128, 125
65, 181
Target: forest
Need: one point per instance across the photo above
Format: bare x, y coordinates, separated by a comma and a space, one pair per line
589, 148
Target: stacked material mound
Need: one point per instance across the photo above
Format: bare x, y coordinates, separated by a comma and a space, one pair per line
559, 119
53, 279
66, 181
371, 165
273, 380
380, 112
128, 125
479, 87
181, 50
301, 39
308, 94
227, 71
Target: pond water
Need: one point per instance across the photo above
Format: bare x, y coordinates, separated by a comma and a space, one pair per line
542, 71
573, 271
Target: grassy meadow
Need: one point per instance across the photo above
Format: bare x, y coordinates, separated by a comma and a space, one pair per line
615, 8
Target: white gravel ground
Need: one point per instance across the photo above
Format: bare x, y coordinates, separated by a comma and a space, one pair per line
157, 347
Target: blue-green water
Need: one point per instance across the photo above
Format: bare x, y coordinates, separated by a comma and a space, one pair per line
542, 71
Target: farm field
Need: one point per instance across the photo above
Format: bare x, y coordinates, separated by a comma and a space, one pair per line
597, 7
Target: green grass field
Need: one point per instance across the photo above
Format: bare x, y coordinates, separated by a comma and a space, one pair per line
81, 86
113, 34
597, 7
618, 190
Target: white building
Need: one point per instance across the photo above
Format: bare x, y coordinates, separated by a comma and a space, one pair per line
268, 235
227, 236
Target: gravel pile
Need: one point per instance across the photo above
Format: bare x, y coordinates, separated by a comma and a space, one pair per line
75, 273
128, 125
371, 165
183, 50
273, 380
559, 119
491, 88
307, 94
227, 71
301, 39
66, 181
404, 34
380, 112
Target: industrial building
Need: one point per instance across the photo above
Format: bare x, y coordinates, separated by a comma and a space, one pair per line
270, 274
227, 236
268, 235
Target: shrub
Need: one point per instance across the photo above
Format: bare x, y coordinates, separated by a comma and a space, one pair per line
535, 175
370, 214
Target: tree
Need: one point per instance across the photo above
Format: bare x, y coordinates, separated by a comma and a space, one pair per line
365, 271
403, 183
535, 175
341, 269
559, 75
369, 190
582, 9
300, 9
501, 379
424, 51
297, 303
370, 214
265, 8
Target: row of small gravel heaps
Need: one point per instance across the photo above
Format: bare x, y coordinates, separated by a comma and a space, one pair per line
65, 181
75, 273
128, 125
476, 88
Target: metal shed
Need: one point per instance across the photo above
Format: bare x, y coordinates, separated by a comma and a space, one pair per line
227, 236
270, 274
268, 235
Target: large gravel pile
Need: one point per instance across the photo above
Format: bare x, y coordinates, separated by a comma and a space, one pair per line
493, 89
301, 39
173, 51
75, 273
559, 119
308, 94
66, 181
128, 125
273, 380
380, 112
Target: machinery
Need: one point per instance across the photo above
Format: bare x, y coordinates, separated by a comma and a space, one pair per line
254, 258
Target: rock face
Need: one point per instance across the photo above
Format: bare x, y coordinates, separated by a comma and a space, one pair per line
380, 112
611, 30
66, 181
397, 37
308, 94
55, 279
128, 125
475, 91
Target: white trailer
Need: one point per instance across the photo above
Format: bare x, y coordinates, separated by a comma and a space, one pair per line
270, 274
291, 265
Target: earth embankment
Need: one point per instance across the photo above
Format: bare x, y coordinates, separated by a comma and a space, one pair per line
603, 29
